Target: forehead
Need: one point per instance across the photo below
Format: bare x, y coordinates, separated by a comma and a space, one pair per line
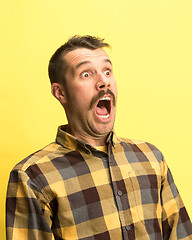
81, 55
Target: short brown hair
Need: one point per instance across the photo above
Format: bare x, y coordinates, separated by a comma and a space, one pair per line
57, 65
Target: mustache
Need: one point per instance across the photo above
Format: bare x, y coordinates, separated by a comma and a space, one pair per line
100, 95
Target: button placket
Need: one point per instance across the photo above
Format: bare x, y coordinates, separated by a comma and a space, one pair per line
119, 193
118, 190
127, 227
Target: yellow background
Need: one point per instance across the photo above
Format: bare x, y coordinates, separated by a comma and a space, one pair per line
152, 58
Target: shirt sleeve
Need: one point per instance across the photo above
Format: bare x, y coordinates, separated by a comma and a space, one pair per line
175, 220
28, 214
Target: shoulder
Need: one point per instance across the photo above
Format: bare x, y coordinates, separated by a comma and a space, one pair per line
138, 143
142, 156
40, 169
141, 148
40, 157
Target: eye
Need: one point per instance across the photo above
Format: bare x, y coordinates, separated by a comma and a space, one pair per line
107, 72
85, 75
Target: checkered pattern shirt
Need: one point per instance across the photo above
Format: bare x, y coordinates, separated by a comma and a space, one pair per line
70, 190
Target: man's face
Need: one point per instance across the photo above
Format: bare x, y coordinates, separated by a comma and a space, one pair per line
91, 92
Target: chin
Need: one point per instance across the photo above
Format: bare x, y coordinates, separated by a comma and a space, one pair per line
104, 129
101, 128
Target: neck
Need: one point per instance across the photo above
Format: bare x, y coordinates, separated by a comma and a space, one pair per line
91, 140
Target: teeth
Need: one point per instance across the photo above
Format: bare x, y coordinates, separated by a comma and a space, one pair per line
104, 116
105, 98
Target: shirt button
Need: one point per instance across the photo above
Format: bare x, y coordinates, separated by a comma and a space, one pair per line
119, 193
127, 227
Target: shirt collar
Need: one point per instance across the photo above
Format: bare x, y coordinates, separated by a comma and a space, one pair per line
68, 141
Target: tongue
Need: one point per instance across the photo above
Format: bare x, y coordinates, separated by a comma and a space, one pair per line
101, 110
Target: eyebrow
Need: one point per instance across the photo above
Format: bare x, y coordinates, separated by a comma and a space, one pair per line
109, 61
85, 62
80, 64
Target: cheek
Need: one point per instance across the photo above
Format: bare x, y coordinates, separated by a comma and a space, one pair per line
81, 99
85, 92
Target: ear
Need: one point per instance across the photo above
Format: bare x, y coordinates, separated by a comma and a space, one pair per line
58, 92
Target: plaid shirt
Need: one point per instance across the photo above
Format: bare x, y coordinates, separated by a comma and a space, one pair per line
70, 190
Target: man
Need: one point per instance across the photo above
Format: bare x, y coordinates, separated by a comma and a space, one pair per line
89, 184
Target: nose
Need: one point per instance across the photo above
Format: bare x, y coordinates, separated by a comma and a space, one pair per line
103, 82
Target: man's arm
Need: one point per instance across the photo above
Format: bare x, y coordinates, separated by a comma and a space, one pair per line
28, 214
176, 223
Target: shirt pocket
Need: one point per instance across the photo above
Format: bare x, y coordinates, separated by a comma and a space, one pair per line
146, 186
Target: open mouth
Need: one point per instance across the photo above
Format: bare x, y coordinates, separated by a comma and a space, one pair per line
103, 107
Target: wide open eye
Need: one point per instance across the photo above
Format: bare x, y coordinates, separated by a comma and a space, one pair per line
85, 75
107, 72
